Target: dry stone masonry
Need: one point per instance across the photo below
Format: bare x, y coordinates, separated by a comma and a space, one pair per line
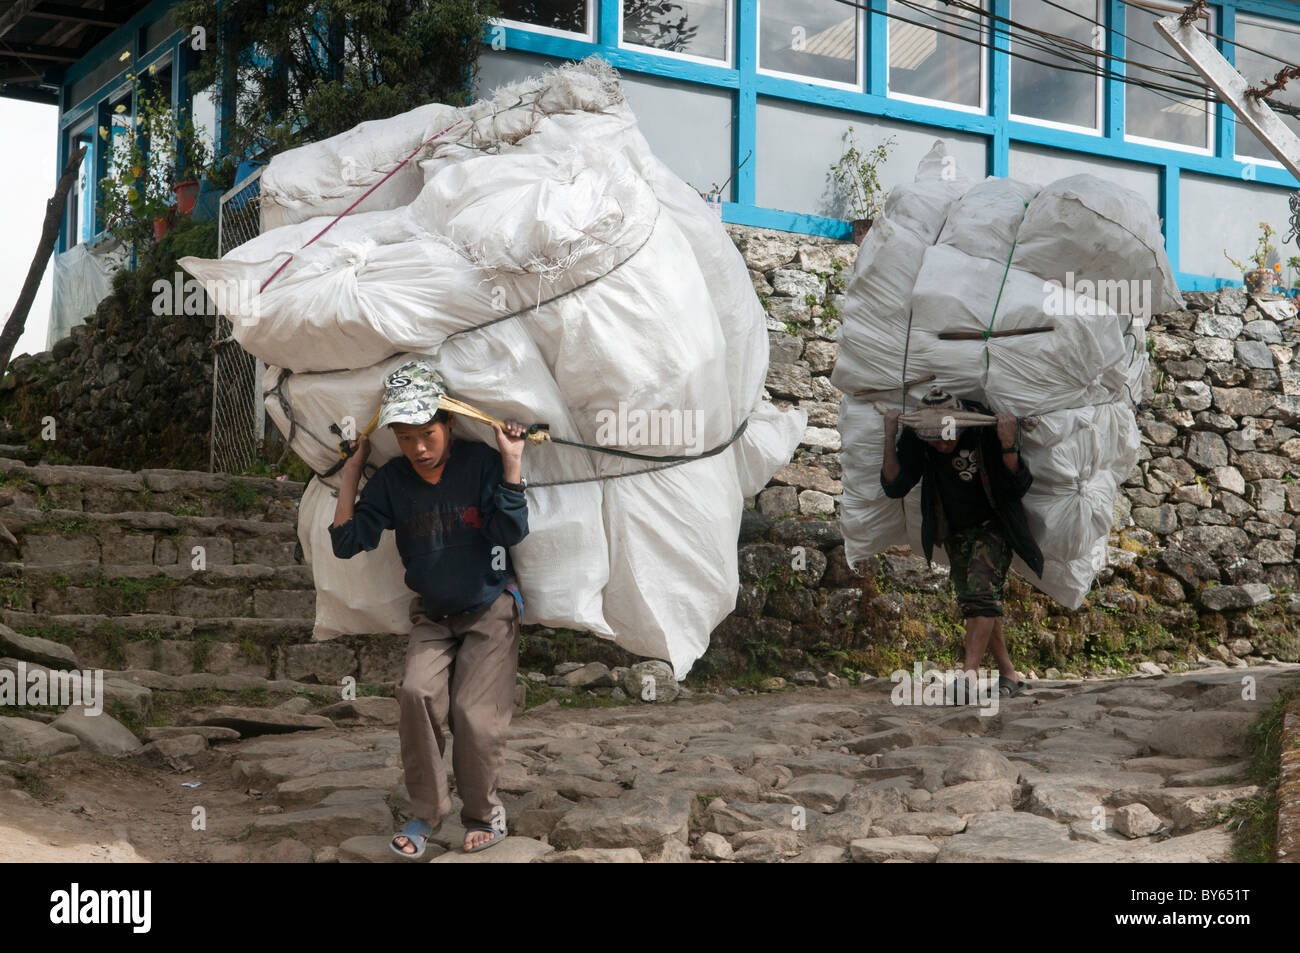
1205, 534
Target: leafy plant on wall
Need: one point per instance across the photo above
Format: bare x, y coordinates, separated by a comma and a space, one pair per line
148, 152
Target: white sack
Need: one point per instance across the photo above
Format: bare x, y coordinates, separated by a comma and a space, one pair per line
1079, 381
551, 253
1084, 228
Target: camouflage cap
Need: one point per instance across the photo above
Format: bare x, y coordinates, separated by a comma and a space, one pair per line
411, 394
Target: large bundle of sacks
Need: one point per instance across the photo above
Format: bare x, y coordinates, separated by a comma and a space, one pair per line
1082, 256
554, 271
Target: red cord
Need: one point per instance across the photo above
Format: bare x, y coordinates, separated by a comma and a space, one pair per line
363, 197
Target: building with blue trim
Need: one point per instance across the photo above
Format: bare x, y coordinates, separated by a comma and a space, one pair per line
755, 97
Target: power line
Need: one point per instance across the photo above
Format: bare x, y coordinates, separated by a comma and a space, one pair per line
1089, 65
1193, 95
1215, 36
1090, 69
1075, 44
1111, 28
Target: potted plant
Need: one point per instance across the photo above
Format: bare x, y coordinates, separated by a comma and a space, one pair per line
1258, 279
145, 153
857, 179
192, 162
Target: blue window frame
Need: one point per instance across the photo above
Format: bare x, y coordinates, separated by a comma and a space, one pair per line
749, 67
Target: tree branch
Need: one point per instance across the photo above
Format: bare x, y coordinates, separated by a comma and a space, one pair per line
49, 234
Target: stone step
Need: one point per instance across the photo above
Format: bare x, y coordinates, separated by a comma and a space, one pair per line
151, 626
218, 644
175, 492
180, 645
19, 452
62, 537
250, 590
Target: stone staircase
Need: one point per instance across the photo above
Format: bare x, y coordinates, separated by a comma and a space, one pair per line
174, 572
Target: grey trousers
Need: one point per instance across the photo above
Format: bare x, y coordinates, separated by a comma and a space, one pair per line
459, 677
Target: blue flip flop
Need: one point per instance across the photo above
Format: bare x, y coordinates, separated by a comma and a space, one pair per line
416, 831
497, 837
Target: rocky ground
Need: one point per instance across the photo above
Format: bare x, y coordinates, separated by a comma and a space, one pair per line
1130, 770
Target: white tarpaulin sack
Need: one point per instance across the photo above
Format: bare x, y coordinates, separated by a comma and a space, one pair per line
555, 272
1074, 269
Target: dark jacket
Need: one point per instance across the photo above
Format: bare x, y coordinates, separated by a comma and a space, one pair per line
447, 532
1004, 489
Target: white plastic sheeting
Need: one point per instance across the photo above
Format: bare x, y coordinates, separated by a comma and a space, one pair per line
949, 255
587, 279
83, 277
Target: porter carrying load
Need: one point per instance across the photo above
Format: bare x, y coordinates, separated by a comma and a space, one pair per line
535, 250
1030, 300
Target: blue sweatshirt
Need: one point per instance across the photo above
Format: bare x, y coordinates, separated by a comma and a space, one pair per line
446, 531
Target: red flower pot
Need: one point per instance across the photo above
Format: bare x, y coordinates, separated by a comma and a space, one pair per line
187, 193
159, 228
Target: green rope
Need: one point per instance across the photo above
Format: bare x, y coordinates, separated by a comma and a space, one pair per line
988, 332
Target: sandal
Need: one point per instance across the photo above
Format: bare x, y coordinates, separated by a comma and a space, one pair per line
1008, 688
497, 837
417, 832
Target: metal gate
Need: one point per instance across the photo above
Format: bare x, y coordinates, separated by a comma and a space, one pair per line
238, 414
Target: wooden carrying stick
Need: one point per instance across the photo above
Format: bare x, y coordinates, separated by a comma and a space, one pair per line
932, 418
872, 394
980, 335
465, 410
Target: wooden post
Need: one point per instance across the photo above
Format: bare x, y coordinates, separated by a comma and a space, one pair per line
13, 329
1192, 46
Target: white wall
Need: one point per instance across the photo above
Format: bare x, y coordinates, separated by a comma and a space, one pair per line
1221, 213
1034, 164
688, 128
797, 144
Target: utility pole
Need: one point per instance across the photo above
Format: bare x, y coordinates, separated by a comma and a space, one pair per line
1192, 45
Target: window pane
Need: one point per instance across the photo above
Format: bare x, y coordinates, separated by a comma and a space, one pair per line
1280, 39
810, 38
925, 62
1152, 114
557, 14
698, 27
81, 196
1061, 94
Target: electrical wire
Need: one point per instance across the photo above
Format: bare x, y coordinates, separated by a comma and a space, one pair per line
1277, 106
1214, 36
1053, 37
1091, 69
1161, 90
1117, 32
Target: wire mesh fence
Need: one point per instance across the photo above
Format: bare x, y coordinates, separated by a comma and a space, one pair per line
238, 414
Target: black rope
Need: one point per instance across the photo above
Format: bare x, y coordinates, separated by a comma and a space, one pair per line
669, 460
278, 393
1295, 219
674, 460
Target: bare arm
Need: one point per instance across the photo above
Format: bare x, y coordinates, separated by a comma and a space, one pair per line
1007, 427
349, 477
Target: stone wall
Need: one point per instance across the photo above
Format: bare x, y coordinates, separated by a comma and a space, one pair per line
1202, 557
128, 388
